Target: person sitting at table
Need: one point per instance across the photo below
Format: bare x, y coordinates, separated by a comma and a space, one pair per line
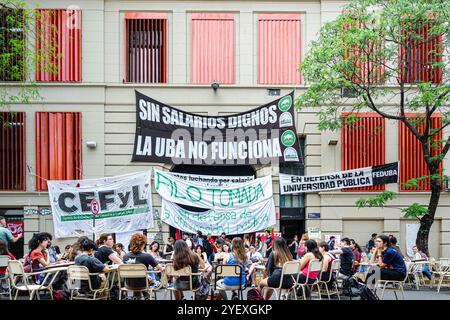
253, 255
183, 256
390, 261
137, 255
105, 252
87, 259
328, 259
221, 254
118, 247
236, 257
420, 256
312, 254
154, 250
272, 274
356, 249
65, 254
168, 248
200, 251
76, 248
39, 256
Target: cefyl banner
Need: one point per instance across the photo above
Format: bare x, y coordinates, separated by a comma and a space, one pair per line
120, 204
195, 194
363, 177
265, 135
253, 218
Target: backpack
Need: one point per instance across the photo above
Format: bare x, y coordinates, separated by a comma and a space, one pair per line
203, 291
367, 294
27, 264
351, 287
254, 294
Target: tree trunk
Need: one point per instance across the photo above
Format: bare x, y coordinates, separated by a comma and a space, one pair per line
427, 220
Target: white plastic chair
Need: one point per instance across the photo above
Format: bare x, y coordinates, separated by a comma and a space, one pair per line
290, 269
335, 267
77, 274
185, 272
314, 266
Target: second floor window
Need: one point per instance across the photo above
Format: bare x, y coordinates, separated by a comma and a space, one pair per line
145, 48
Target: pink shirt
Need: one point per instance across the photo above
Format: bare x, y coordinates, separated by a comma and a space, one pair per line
312, 275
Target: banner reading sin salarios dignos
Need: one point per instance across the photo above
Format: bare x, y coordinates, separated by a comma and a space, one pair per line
265, 135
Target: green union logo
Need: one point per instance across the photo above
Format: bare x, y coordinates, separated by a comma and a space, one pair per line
288, 138
285, 103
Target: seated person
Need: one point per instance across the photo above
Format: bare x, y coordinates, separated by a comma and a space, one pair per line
346, 256
236, 257
312, 254
253, 255
272, 275
137, 255
183, 256
105, 252
87, 259
328, 259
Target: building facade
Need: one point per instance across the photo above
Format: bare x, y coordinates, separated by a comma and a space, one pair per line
173, 51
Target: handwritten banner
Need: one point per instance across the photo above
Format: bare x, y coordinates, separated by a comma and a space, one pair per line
253, 218
199, 195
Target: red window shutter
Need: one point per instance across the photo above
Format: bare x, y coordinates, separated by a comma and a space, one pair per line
12, 151
58, 45
412, 164
363, 145
418, 55
58, 147
145, 47
279, 48
213, 48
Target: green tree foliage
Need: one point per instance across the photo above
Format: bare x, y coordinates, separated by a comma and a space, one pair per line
366, 53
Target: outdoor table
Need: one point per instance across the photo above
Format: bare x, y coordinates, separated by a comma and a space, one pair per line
60, 265
164, 261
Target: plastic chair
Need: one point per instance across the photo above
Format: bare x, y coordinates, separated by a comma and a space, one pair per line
397, 285
229, 270
169, 272
290, 268
15, 271
314, 266
133, 271
4, 278
335, 267
77, 274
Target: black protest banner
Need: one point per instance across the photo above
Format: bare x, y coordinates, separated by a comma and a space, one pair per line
263, 135
386, 173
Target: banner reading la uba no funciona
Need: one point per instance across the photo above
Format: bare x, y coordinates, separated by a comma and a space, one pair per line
263, 135
125, 204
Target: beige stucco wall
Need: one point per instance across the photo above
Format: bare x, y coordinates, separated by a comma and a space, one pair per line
108, 111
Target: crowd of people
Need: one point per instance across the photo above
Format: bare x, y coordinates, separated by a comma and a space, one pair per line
204, 252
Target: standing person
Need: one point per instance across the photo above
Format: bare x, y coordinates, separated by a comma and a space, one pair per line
187, 240
331, 243
346, 256
183, 256
390, 261
105, 252
87, 259
212, 242
301, 246
371, 242
5, 233
222, 238
293, 247
208, 247
199, 239
259, 245
247, 241
274, 266
168, 248
268, 243
236, 257
138, 255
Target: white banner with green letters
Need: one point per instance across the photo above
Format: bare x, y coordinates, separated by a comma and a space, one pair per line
256, 217
121, 204
229, 197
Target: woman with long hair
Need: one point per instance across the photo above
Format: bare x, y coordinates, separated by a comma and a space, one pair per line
154, 250
312, 254
38, 256
183, 256
301, 246
238, 256
328, 259
272, 274
76, 248
105, 252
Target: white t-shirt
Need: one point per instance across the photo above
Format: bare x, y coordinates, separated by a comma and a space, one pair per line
256, 255
189, 243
